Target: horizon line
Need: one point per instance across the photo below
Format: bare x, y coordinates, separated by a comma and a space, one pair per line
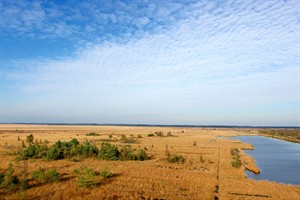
154, 125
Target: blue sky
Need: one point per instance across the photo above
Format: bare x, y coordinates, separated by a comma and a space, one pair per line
155, 62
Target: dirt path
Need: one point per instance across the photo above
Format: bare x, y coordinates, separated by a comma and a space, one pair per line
218, 172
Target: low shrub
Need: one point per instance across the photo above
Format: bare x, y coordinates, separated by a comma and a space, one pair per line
109, 152
129, 141
46, 176
89, 150
236, 163
150, 135
173, 158
9, 180
159, 133
234, 151
105, 173
33, 151
92, 134
86, 177
140, 155
236, 158
127, 153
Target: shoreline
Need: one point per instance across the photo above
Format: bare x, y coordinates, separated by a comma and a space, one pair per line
280, 138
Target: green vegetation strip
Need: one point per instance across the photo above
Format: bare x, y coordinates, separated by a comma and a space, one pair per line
76, 150
236, 158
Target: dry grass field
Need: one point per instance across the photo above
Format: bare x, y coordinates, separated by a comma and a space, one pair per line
207, 172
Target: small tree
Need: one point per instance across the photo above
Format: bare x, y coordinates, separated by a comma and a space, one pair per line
167, 153
23, 144
30, 139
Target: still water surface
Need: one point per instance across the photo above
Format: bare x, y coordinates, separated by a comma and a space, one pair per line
277, 160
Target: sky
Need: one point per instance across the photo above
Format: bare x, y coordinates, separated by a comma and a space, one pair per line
226, 62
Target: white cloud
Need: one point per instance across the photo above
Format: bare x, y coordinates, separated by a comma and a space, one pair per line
207, 65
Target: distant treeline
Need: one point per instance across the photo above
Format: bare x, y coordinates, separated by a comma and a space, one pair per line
286, 133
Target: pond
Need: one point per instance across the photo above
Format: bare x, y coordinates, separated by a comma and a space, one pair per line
278, 160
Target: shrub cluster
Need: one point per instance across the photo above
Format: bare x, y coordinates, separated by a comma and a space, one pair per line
160, 134
75, 150
10, 181
111, 152
59, 150
236, 158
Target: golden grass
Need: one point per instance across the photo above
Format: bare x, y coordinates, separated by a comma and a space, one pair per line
208, 163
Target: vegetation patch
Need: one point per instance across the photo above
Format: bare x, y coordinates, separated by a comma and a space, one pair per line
236, 158
92, 134
111, 152
59, 150
76, 151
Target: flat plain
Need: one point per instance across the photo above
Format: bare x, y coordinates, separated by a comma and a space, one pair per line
206, 173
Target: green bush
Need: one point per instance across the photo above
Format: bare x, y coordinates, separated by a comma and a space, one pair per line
109, 152
141, 155
9, 180
86, 177
46, 176
236, 163
159, 133
54, 153
173, 158
150, 135
127, 153
89, 150
33, 151
105, 173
